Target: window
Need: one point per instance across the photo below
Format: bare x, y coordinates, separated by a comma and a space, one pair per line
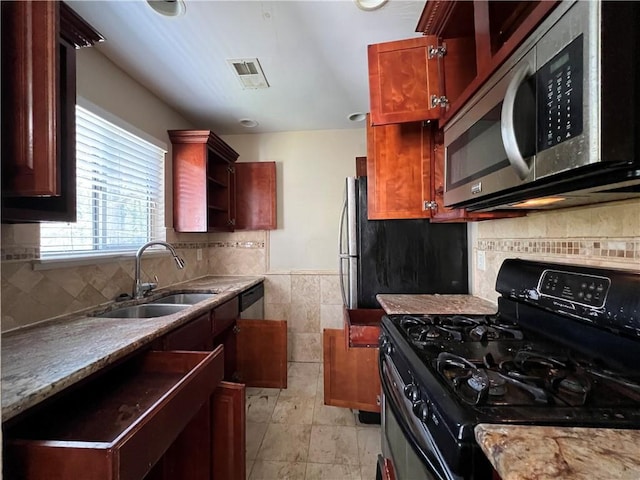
120, 193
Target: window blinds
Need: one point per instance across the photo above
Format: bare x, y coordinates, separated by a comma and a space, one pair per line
120, 193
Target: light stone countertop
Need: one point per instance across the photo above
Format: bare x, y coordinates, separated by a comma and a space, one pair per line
436, 304
43, 359
523, 452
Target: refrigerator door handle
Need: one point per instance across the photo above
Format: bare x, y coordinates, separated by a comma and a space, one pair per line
342, 254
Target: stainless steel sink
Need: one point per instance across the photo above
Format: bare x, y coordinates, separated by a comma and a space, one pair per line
184, 298
147, 310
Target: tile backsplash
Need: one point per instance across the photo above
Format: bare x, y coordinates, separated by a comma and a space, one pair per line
309, 301
606, 235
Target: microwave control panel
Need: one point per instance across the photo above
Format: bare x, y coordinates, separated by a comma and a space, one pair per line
559, 89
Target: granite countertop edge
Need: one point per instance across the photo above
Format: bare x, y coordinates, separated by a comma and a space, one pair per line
442, 304
530, 452
43, 359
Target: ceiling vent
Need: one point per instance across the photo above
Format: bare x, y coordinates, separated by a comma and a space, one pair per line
249, 73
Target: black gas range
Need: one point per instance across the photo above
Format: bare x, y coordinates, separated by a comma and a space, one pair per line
563, 349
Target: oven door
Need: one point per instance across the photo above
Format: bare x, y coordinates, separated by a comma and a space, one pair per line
490, 147
406, 442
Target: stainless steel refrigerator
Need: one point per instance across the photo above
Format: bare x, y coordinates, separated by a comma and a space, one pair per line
396, 256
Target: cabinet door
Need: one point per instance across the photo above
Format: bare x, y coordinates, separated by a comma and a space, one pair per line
402, 80
479, 36
398, 171
32, 101
255, 196
262, 353
351, 378
38, 109
228, 436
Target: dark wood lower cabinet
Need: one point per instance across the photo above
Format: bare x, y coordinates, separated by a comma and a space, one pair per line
351, 378
189, 456
163, 415
262, 353
118, 426
228, 435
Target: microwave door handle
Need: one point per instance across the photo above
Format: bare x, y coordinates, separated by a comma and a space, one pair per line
507, 126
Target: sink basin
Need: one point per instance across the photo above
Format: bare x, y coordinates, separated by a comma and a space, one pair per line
184, 298
143, 311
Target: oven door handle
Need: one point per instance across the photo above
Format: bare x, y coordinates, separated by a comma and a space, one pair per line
425, 448
507, 123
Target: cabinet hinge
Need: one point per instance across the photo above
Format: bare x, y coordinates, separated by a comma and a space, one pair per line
230, 169
436, 51
430, 205
437, 101
231, 221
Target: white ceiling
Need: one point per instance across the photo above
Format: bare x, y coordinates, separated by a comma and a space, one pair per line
313, 53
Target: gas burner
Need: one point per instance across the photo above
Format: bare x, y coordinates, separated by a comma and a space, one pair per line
460, 321
427, 332
483, 333
475, 385
488, 380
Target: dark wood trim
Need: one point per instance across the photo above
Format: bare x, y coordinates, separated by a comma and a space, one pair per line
75, 30
482, 29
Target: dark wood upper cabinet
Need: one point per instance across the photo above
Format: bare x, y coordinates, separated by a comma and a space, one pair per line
399, 171
464, 42
203, 181
403, 78
211, 192
256, 196
39, 40
477, 37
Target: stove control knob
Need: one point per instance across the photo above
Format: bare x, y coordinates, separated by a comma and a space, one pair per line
412, 392
421, 409
386, 346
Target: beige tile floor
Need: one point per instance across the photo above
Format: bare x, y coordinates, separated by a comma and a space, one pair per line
292, 435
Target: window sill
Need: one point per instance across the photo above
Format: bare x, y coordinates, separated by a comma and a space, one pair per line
84, 260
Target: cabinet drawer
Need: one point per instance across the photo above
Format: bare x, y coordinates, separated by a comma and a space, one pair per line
224, 315
194, 336
117, 426
362, 326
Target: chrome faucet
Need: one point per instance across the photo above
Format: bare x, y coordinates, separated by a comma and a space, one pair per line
139, 288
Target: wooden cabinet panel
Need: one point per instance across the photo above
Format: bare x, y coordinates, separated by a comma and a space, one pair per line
351, 378
228, 436
30, 87
38, 109
402, 80
203, 181
189, 456
362, 326
262, 353
256, 196
398, 171
195, 336
116, 427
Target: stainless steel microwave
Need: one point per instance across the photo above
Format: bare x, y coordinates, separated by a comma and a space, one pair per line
559, 123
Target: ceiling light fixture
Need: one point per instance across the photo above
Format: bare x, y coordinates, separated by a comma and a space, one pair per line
357, 116
370, 5
168, 8
248, 123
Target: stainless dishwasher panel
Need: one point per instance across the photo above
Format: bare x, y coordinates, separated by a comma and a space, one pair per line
252, 302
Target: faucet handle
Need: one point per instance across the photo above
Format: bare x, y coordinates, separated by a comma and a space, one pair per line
145, 288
